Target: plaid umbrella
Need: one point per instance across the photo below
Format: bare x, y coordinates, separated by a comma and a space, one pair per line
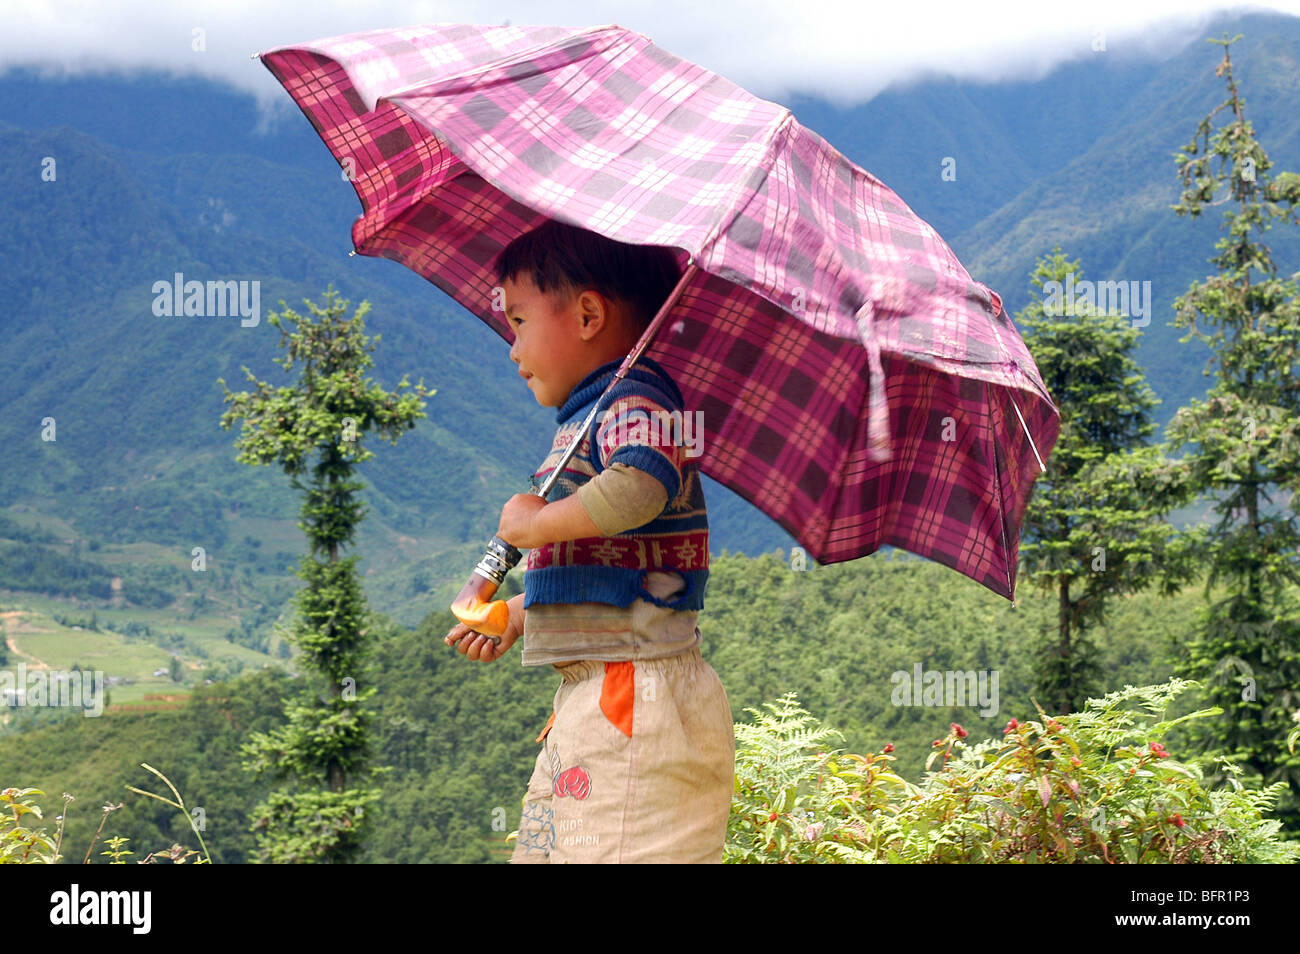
854, 382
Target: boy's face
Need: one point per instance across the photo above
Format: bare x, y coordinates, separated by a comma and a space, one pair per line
552, 341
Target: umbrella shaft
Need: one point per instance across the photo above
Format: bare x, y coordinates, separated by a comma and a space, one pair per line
632, 355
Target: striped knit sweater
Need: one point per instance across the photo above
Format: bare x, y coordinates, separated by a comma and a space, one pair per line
631, 427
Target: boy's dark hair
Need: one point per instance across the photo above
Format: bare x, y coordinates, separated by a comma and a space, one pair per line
567, 259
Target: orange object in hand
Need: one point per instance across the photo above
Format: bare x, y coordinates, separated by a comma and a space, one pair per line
474, 605
488, 618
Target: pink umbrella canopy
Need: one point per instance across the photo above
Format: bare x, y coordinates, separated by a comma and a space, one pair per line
853, 381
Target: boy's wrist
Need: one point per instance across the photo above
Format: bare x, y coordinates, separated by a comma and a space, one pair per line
519, 523
517, 612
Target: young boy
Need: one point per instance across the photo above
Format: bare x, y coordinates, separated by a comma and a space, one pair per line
637, 757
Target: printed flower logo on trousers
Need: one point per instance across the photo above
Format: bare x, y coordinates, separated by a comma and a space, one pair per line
571, 781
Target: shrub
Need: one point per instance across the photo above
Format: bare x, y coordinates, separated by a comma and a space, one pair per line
22, 845
1095, 786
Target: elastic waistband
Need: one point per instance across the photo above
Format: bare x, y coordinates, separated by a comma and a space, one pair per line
587, 668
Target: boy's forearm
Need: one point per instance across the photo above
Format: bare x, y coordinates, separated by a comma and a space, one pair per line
562, 520
620, 498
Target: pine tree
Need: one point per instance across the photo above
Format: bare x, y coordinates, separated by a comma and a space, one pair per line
317, 427
1247, 650
1093, 528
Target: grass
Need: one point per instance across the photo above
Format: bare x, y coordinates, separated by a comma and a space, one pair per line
41, 640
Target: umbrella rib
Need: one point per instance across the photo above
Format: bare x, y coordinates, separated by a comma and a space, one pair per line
740, 187
1032, 445
997, 487
500, 64
1002, 349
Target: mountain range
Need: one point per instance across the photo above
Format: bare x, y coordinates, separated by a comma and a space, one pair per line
114, 184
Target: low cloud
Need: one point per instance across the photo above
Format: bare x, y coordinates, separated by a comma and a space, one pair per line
845, 52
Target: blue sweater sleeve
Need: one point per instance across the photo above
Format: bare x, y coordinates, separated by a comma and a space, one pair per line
642, 430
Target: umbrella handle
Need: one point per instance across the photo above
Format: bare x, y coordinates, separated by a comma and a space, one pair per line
474, 605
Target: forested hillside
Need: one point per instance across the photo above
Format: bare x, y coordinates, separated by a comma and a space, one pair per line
459, 735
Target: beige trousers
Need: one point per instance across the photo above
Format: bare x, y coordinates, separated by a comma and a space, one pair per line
636, 766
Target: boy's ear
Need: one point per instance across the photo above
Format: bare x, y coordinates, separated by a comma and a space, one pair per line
596, 311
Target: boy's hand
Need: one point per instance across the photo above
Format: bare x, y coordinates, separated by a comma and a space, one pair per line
478, 647
481, 648
528, 521
516, 526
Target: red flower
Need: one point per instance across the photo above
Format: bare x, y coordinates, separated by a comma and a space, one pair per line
1178, 820
1158, 751
1074, 760
889, 747
961, 733
1013, 724
1054, 725
772, 817
937, 742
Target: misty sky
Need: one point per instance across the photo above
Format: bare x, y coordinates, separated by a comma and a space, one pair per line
845, 52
